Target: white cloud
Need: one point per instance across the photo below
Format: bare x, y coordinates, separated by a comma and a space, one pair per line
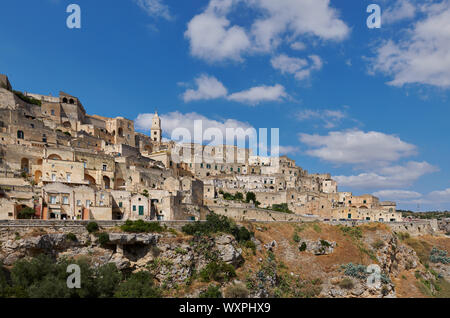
299, 46
397, 195
401, 10
208, 87
331, 118
388, 177
175, 120
298, 17
155, 8
259, 94
284, 150
357, 147
439, 196
423, 55
213, 38
300, 68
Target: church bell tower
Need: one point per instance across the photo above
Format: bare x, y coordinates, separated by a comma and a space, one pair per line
156, 132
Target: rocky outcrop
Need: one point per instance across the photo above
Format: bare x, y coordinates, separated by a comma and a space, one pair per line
130, 239
319, 247
395, 258
228, 250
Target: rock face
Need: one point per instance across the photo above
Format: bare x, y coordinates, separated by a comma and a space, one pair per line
228, 252
130, 239
319, 247
172, 261
395, 258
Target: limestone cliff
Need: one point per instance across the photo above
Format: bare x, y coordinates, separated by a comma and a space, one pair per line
281, 260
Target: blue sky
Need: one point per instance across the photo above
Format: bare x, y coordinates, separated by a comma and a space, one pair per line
370, 106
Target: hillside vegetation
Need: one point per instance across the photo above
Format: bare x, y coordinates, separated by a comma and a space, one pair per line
220, 258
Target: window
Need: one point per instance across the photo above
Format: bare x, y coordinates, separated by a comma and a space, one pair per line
349, 215
88, 203
134, 208
65, 200
105, 167
53, 112
101, 203
102, 196
53, 177
120, 204
78, 202
69, 177
52, 199
20, 134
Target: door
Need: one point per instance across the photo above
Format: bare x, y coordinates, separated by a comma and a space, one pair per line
141, 210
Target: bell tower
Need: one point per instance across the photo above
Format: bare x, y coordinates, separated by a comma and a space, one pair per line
155, 131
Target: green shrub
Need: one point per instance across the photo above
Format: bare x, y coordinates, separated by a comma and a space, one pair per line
355, 270
439, 256
403, 236
92, 227
378, 244
138, 285
250, 196
354, 232
236, 291
212, 292
141, 226
251, 245
346, 283
218, 223
217, 271
103, 238
296, 238
26, 213
302, 247
71, 237
281, 208
29, 100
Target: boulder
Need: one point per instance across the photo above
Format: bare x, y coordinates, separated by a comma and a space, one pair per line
228, 252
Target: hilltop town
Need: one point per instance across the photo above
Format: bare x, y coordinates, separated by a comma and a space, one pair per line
59, 162
86, 184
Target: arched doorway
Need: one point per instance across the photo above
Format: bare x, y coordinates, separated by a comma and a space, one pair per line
106, 182
25, 165
89, 179
37, 176
120, 132
20, 134
67, 124
54, 157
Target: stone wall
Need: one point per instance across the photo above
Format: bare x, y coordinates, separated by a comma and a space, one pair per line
252, 214
415, 228
60, 225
